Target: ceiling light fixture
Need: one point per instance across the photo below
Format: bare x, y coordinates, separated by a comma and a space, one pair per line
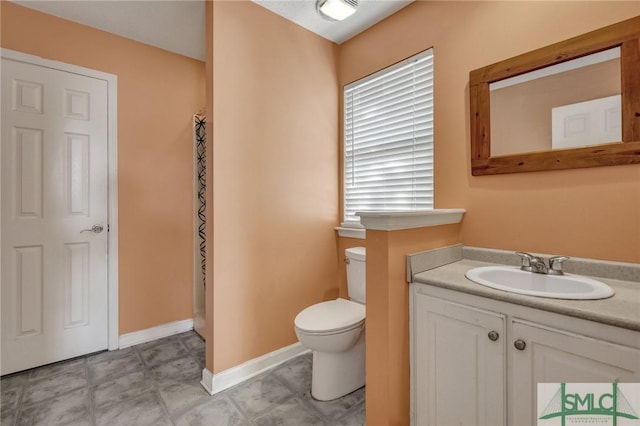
336, 10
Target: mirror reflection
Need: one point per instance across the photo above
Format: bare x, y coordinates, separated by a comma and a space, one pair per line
572, 104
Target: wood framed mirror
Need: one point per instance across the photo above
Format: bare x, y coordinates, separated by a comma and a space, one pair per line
596, 123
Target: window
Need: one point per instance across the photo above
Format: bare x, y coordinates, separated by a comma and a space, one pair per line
388, 139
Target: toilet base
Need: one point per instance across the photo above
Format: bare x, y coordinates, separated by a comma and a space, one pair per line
337, 374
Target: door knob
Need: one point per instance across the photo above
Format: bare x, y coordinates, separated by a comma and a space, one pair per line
96, 229
520, 344
493, 335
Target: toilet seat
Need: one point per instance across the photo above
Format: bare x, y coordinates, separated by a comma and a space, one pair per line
332, 317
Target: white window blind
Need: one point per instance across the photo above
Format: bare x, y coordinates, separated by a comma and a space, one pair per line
388, 139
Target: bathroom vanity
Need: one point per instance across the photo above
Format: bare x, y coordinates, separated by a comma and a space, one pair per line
478, 353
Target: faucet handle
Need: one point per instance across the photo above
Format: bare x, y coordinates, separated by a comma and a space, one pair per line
526, 261
555, 265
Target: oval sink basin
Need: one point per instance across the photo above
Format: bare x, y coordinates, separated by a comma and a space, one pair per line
515, 280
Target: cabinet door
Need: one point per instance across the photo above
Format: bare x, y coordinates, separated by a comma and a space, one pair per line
459, 369
555, 356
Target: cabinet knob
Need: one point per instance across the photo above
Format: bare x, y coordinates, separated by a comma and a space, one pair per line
493, 335
520, 344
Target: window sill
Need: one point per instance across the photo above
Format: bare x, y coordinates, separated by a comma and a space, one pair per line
393, 221
347, 232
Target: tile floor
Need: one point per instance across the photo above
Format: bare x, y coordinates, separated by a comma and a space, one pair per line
158, 383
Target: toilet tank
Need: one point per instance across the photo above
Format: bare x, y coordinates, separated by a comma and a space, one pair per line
356, 273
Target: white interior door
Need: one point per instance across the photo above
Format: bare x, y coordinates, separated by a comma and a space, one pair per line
54, 215
587, 123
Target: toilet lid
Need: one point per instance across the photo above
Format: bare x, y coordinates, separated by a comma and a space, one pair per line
330, 316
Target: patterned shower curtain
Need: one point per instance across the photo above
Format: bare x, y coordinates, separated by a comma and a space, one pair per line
200, 133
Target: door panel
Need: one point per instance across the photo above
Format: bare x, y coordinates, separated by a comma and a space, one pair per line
28, 159
29, 280
54, 185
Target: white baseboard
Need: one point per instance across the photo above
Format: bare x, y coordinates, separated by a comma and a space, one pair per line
207, 381
215, 383
154, 333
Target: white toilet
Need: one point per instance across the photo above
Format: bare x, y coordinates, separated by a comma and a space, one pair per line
334, 331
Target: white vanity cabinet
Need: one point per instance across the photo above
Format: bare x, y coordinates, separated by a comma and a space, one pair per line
556, 356
477, 361
460, 369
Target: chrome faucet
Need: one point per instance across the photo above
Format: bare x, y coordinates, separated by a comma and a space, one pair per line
536, 264
555, 265
526, 261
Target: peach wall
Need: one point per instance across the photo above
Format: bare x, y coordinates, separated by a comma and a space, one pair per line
387, 331
275, 179
158, 92
588, 212
209, 193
